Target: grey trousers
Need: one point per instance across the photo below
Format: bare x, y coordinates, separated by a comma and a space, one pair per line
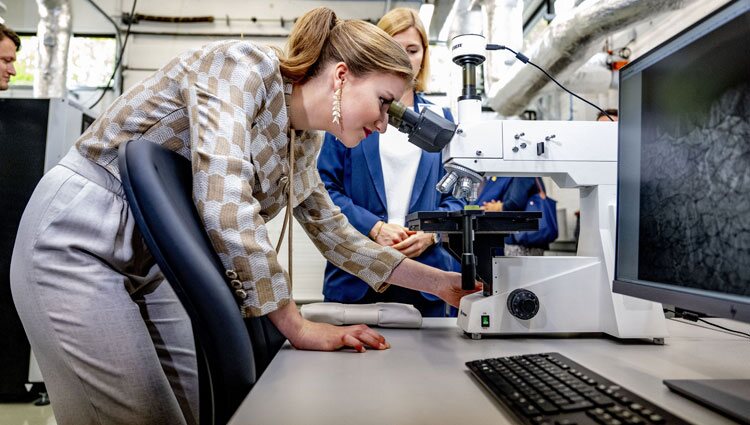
113, 342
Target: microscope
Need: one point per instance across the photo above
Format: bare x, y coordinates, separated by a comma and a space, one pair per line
548, 295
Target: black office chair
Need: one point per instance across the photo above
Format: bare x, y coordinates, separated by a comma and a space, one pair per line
231, 352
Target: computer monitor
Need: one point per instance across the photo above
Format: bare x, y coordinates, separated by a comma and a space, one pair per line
683, 208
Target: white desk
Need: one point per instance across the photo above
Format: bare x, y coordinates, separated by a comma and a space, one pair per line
422, 379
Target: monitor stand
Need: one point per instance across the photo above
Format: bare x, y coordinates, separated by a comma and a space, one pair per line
730, 397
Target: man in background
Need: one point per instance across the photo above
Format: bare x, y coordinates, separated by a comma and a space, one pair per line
9, 45
603, 117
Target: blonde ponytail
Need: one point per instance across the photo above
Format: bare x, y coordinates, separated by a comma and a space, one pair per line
319, 38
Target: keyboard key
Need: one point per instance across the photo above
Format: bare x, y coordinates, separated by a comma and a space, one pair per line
657, 419
625, 415
560, 401
547, 408
602, 401
529, 409
615, 410
576, 406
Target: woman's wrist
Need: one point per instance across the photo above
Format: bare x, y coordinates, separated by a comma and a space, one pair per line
412, 274
376, 229
288, 320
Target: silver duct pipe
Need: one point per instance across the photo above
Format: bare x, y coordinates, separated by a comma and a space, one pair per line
567, 43
439, 18
504, 26
54, 33
467, 18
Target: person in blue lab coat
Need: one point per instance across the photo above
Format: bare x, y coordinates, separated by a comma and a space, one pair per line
384, 178
512, 194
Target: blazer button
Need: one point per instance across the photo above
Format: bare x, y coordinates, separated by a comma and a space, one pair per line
236, 284
241, 294
231, 274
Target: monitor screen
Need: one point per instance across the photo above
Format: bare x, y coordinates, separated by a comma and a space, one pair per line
683, 210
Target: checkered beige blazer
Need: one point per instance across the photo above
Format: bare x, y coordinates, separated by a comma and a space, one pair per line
222, 106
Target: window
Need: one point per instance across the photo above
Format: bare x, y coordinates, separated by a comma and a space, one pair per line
91, 61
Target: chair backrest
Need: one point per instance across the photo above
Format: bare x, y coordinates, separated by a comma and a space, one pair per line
158, 186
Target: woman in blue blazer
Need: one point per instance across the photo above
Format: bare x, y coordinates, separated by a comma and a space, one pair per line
370, 185
512, 194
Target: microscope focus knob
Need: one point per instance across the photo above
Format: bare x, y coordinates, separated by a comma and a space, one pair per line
523, 304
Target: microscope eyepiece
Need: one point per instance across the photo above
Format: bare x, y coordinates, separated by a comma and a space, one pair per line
427, 130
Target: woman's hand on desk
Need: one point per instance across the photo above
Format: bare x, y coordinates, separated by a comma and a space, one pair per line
325, 337
306, 335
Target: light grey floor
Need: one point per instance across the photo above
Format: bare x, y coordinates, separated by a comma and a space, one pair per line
26, 414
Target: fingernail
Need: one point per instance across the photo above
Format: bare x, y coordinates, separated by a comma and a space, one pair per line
382, 346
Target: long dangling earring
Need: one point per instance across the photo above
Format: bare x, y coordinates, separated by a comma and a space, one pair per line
336, 110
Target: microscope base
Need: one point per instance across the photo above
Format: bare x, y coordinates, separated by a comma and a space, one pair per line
573, 295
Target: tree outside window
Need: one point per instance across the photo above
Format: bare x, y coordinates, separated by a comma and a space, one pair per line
91, 61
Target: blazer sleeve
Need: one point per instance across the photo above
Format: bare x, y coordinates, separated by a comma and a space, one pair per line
448, 114
342, 244
331, 169
518, 193
220, 118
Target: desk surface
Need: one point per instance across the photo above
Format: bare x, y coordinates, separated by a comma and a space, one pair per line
422, 379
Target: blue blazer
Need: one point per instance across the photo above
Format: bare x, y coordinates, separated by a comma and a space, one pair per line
513, 192
354, 179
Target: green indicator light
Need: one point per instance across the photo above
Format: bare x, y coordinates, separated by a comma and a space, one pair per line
485, 321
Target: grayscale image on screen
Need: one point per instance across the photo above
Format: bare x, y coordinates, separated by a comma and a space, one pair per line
695, 165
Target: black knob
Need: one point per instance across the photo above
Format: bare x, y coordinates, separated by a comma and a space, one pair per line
515, 149
523, 304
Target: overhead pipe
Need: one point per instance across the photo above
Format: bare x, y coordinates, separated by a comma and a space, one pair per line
567, 43
504, 26
54, 32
